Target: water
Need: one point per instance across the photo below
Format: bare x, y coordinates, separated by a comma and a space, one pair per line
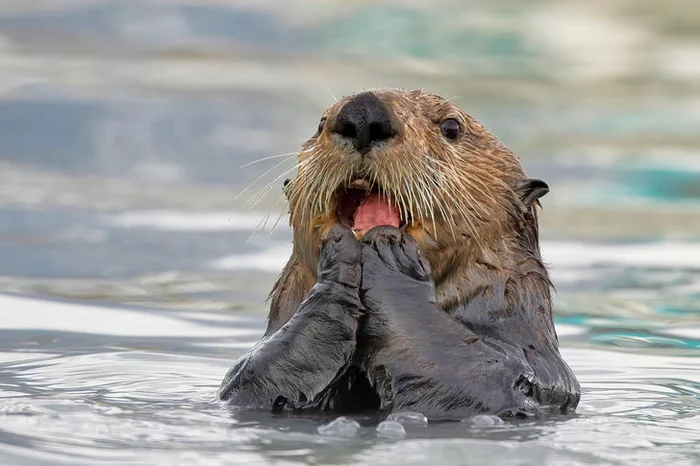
129, 279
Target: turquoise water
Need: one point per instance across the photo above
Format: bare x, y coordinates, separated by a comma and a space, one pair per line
131, 277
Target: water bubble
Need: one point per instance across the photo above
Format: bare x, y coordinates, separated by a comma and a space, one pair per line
340, 427
408, 417
483, 420
391, 429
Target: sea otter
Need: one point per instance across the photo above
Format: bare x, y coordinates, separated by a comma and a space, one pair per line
416, 281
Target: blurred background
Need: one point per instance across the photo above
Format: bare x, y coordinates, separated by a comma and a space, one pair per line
125, 131
124, 126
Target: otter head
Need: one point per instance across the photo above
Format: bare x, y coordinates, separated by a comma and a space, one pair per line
413, 160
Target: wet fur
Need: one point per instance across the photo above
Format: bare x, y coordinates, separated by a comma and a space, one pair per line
471, 333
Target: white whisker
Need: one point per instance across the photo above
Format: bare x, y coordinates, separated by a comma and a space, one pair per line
260, 178
268, 158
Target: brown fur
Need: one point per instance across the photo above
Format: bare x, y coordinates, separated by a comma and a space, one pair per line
473, 213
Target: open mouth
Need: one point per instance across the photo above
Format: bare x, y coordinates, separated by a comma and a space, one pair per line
361, 208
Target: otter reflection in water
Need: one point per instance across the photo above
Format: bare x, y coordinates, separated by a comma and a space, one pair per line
415, 281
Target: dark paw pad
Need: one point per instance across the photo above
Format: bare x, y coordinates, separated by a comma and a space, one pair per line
397, 250
340, 245
337, 233
382, 234
341, 256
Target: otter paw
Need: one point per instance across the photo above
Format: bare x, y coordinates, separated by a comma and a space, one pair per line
341, 257
389, 248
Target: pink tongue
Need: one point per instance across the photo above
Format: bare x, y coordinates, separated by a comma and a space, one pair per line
373, 211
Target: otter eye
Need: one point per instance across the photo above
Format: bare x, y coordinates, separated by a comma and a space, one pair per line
321, 124
450, 128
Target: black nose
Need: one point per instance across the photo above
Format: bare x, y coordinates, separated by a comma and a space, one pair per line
364, 120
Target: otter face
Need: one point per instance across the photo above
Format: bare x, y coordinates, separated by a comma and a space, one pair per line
410, 159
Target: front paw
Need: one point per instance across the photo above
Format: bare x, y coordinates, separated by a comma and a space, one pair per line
341, 258
388, 250
398, 297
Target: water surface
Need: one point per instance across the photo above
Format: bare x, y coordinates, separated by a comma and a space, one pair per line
131, 277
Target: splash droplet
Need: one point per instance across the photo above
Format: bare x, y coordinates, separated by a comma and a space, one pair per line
483, 420
391, 429
408, 417
340, 427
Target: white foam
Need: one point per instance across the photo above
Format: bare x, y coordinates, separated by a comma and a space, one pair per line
566, 330
171, 220
691, 333
271, 259
661, 255
565, 257
35, 314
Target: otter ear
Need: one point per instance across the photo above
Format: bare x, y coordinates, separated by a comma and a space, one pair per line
531, 190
